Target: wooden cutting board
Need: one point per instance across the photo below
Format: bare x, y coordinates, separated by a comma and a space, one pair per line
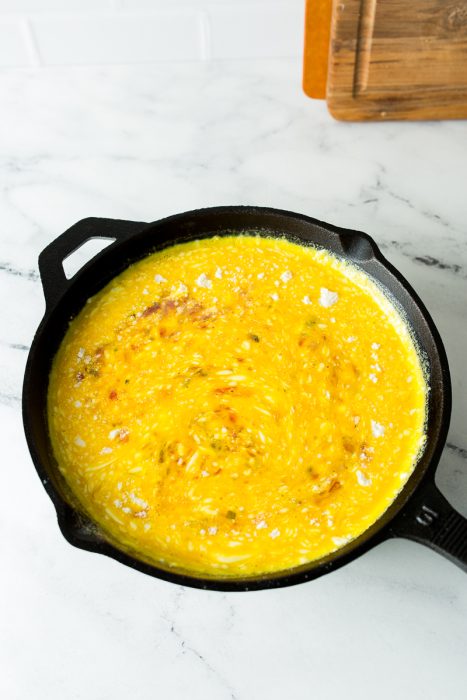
394, 59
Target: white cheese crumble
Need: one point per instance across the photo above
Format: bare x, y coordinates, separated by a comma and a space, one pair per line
260, 275
373, 378
218, 273
78, 404
306, 299
274, 533
377, 429
106, 451
362, 479
356, 420
286, 276
328, 298
351, 339
81, 352
339, 541
375, 346
275, 296
138, 501
212, 530
204, 281
79, 442
159, 279
261, 525
113, 433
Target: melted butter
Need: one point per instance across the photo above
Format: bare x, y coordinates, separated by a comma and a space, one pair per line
237, 405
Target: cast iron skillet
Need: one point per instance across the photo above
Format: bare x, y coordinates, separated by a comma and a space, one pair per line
419, 513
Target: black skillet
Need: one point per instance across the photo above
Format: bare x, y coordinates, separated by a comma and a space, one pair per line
419, 512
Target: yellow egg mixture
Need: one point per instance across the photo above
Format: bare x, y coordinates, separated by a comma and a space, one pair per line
237, 405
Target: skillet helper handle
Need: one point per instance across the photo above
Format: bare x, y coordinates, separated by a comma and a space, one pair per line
53, 278
431, 520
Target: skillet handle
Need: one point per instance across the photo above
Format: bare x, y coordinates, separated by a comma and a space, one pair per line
430, 519
54, 281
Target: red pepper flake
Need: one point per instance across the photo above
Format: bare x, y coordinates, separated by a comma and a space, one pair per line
113, 395
151, 310
79, 377
162, 332
169, 305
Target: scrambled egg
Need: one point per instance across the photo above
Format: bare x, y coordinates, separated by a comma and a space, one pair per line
237, 405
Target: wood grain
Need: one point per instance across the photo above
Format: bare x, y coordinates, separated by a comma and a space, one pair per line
393, 59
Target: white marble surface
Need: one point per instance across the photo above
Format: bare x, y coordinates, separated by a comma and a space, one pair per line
149, 141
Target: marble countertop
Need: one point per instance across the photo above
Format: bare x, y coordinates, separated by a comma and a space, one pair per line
145, 142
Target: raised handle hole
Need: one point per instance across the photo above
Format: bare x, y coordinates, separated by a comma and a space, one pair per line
79, 257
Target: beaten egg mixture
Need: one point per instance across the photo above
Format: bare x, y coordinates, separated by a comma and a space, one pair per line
237, 405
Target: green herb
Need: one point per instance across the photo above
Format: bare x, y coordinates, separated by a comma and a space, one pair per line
231, 515
254, 337
200, 372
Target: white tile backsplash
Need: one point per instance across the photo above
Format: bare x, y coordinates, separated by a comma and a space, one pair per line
62, 6
118, 39
87, 32
13, 47
256, 31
